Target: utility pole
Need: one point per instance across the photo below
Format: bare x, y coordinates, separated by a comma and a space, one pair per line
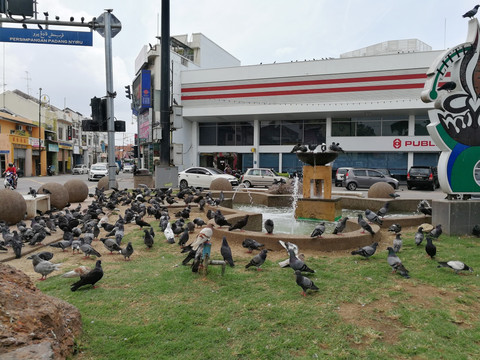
165, 85
40, 132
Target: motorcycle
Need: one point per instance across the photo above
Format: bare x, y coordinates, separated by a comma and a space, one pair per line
9, 181
50, 170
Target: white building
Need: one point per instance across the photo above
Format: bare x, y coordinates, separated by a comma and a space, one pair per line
253, 115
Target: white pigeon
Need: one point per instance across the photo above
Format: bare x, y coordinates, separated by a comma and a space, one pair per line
169, 235
77, 272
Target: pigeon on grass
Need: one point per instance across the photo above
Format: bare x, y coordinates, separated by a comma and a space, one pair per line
90, 278
258, 260
305, 283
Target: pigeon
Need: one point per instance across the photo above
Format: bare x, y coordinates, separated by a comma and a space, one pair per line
251, 245
419, 236
366, 251
43, 267
45, 255
199, 222
372, 217
476, 230
312, 147
148, 239
424, 207
269, 225
111, 245
436, 232
448, 86
258, 260
140, 222
289, 246
90, 278
88, 250
394, 195
364, 225
456, 265
240, 224
169, 234
471, 13
397, 243
299, 147
81, 270
305, 283
395, 228
396, 264
336, 147
220, 219
297, 264
340, 226
127, 251
32, 192
430, 248
383, 210
46, 191
183, 239
226, 252
318, 230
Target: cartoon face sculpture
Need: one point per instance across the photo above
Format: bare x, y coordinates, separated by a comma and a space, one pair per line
454, 84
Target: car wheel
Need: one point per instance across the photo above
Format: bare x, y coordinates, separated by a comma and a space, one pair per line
392, 185
247, 184
183, 184
352, 186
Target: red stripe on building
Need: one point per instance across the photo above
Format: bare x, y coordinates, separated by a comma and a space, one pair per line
306, 91
307, 83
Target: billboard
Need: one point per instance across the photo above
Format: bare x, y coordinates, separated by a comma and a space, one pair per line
141, 92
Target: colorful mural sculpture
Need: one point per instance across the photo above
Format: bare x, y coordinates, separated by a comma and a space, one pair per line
453, 83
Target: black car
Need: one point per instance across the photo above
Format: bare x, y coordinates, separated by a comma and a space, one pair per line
422, 177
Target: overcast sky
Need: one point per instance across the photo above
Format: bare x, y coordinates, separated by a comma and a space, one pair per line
254, 31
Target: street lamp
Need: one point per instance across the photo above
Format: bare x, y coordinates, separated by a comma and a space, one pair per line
46, 99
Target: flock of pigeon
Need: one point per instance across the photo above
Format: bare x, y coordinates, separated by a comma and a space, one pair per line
392, 257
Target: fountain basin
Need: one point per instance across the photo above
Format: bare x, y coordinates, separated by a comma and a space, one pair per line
316, 159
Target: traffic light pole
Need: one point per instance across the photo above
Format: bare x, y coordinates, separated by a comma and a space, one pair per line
112, 167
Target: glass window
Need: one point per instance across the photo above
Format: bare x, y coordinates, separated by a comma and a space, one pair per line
314, 131
247, 161
290, 163
269, 161
425, 159
372, 173
270, 133
395, 126
343, 127
244, 133
421, 122
226, 134
368, 127
292, 132
207, 134
360, 172
60, 133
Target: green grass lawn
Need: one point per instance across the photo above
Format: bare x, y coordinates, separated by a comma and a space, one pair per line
149, 308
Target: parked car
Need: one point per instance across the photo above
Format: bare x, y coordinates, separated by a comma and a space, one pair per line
364, 178
128, 168
80, 169
97, 171
340, 174
202, 177
117, 170
422, 177
261, 177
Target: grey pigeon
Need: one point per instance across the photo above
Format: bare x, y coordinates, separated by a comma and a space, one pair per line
471, 13
340, 226
397, 243
395, 228
455, 265
419, 236
43, 267
32, 192
366, 251
364, 225
90, 278
240, 224
336, 147
396, 264
318, 230
88, 250
183, 239
372, 217
383, 210
127, 251
299, 147
251, 244
424, 207
226, 252
111, 245
199, 222
436, 232
258, 260
148, 239
269, 225
304, 282
297, 264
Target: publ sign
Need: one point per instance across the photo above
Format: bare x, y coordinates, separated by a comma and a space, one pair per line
397, 143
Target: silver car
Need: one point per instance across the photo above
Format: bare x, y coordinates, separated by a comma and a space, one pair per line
364, 178
261, 177
80, 169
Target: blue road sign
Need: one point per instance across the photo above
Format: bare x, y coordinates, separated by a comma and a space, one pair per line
53, 37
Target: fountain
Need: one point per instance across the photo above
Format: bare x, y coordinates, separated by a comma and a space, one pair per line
317, 202
246, 188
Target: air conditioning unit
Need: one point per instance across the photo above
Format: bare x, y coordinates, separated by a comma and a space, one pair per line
18, 127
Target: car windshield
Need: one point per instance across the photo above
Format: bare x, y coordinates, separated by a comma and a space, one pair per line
214, 171
99, 167
78, 167
419, 171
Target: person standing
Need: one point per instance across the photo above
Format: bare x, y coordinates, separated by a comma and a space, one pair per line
228, 169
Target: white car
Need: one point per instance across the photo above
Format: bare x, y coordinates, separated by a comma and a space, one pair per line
128, 168
80, 169
97, 171
202, 177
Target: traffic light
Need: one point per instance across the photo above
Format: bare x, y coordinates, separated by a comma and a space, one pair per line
128, 92
99, 113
